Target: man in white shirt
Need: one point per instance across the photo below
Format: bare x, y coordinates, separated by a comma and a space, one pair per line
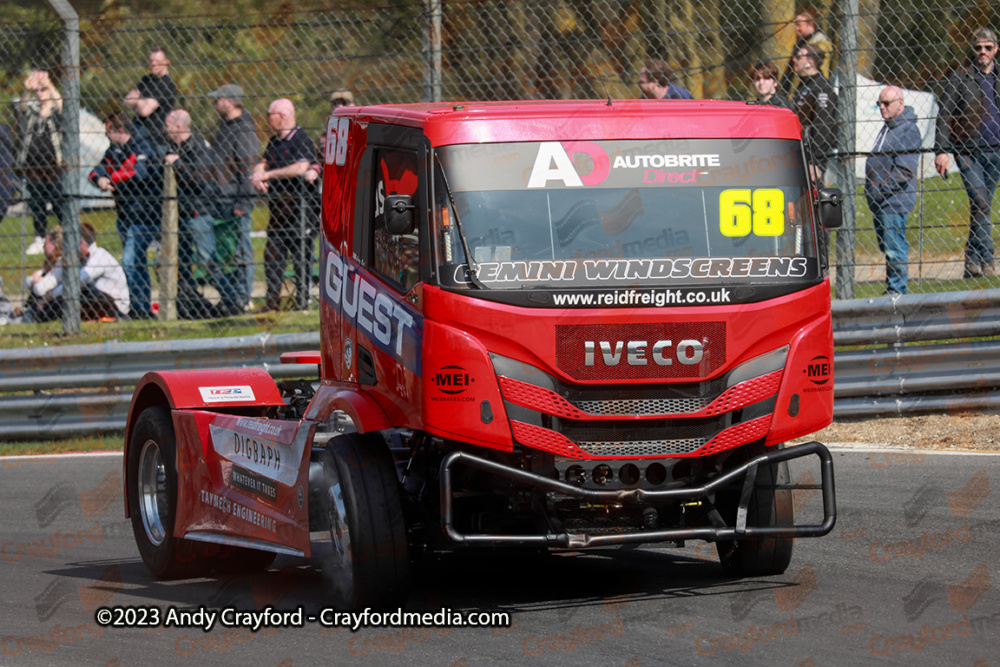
103, 287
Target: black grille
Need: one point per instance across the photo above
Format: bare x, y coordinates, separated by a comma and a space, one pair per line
652, 430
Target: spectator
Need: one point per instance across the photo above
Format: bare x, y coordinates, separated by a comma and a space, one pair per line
341, 98
237, 147
968, 125
765, 81
41, 305
40, 157
656, 82
6, 169
103, 288
286, 159
195, 166
8, 314
154, 97
807, 33
815, 103
313, 189
131, 171
338, 98
891, 183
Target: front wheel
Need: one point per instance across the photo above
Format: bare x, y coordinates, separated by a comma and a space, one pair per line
366, 557
152, 498
769, 507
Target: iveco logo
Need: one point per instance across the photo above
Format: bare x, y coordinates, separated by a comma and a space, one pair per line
639, 352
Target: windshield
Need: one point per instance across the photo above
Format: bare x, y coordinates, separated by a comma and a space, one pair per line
559, 214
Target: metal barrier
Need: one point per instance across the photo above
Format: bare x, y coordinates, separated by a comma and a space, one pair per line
952, 375
79, 390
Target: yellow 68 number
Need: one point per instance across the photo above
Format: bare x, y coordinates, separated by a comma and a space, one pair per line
761, 211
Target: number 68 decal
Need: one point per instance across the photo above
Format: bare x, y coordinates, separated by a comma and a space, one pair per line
336, 140
761, 211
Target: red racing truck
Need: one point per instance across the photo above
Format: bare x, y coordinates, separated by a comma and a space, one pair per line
544, 324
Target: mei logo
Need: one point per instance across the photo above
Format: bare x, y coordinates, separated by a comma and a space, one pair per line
555, 162
452, 380
226, 394
819, 370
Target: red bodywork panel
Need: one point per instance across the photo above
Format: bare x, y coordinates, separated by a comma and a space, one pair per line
528, 335
489, 122
243, 476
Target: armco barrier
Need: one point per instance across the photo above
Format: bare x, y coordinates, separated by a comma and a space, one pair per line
80, 390
74, 390
961, 371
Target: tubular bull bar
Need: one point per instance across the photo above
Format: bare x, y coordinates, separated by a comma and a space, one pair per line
719, 531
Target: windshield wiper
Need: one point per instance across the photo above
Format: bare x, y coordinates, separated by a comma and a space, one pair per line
471, 267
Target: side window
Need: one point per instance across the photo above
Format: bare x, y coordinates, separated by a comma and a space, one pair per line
396, 256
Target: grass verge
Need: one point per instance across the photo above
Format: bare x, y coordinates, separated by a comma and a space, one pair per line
93, 443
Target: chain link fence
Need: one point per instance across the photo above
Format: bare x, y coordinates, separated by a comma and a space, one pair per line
487, 50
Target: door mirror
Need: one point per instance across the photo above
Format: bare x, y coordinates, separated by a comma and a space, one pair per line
831, 209
399, 214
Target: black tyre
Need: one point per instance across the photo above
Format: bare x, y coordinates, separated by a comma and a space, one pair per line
768, 507
365, 552
152, 497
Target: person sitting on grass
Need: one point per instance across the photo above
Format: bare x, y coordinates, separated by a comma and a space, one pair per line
103, 288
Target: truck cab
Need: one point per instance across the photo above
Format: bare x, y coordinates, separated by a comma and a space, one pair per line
557, 325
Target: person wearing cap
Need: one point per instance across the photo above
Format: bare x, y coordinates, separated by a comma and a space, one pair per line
154, 97
237, 147
341, 98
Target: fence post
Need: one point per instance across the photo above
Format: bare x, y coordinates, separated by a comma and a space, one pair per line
71, 163
432, 51
847, 76
303, 268
169, 240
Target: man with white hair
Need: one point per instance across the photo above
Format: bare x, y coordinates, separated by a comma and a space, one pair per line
891, 183
279, 173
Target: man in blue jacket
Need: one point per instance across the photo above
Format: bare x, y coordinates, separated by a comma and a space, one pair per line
131, 171
891, 183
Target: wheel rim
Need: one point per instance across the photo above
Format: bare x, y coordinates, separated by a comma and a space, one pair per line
153, 502
340, 536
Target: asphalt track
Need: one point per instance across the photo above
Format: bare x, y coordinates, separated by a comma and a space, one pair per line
905, 578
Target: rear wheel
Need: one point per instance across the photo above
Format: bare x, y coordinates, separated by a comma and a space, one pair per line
152, 496
769, 507
362, 521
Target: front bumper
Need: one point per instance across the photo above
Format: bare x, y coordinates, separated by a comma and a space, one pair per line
716, 532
